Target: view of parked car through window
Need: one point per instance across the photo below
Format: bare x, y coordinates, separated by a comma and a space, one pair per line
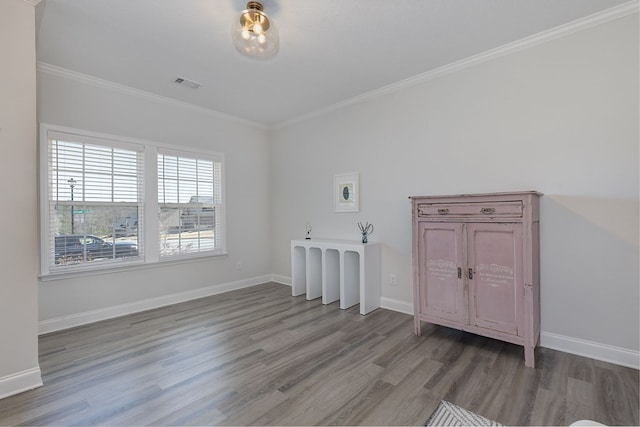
76, 248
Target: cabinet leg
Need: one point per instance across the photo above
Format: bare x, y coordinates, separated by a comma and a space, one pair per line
416, 326
529, 357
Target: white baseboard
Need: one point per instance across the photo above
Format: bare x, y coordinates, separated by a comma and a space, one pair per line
397, 305
606, 353
66, 322
283, 280
20, 381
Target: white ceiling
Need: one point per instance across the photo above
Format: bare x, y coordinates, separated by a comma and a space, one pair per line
330, 50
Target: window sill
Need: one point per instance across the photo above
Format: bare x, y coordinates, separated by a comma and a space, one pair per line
128, 266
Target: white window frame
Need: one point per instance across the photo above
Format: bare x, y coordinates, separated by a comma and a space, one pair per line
150, 215
218, 203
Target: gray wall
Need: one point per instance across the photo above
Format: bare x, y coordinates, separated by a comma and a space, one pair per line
560, 118
19, 244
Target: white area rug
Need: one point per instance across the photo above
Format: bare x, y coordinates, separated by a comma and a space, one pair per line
448, 414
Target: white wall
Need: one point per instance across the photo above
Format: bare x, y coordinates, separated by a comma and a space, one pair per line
94, 107
560, 118
19, 244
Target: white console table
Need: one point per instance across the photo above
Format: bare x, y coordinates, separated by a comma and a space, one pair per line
345, 270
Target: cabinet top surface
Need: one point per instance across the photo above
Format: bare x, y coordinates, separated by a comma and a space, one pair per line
507, 193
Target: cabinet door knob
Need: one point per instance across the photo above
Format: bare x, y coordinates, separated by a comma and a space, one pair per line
471, 273
443, 211
487, 211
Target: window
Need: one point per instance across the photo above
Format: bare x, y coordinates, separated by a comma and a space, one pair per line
94, 201
190, 197
97, 213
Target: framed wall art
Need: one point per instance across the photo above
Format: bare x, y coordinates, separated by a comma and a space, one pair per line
346, 192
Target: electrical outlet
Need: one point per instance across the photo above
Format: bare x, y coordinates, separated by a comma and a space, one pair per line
392, 279
239, 265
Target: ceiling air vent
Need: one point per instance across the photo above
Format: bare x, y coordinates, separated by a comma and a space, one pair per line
187, 83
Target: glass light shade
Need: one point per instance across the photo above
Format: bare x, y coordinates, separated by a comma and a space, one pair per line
254, 34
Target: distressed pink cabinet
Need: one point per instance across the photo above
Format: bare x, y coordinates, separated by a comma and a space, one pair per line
476, 265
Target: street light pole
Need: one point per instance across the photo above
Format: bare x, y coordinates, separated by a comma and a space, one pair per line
72, 183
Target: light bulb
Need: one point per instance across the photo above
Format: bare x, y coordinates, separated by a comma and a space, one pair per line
254, 34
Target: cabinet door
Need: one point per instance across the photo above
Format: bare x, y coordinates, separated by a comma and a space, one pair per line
441, 283
494, 255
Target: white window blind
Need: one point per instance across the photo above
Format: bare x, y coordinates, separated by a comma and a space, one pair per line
94, 201
191, 204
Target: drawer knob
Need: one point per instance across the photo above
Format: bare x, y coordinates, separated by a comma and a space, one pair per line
487, 211
443, 211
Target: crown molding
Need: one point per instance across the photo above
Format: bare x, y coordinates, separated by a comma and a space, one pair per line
599, 18
569, 28
127, 90
33, 3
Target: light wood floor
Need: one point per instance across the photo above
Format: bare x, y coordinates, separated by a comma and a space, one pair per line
259, 356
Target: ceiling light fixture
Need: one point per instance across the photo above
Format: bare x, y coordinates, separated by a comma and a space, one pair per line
254, 34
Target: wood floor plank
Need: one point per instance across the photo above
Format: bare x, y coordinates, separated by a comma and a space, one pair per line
203, 408
615, 402
518, 409
549, 409
408, 400
555, 370
581, 401
258, 356
355, 409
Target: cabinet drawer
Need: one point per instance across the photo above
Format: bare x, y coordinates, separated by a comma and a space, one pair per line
466, 210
